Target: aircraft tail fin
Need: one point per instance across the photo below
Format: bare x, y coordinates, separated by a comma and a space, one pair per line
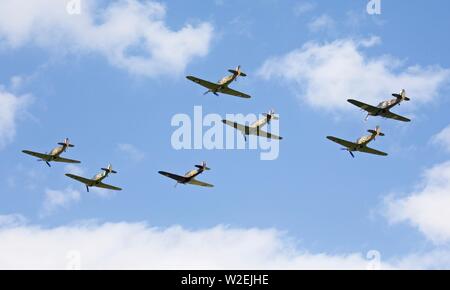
271, 116
402, 96
109, 169
66, 143
203, 166
238, 72
376, 132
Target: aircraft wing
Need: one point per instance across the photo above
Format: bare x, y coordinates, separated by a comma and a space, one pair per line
65, 160
365, 107
232, 92
80, 179
268, 135
107, 186
372, 151
200, 183
235, 125
391, 115
206, 84
342, 142
36, 154
173, 176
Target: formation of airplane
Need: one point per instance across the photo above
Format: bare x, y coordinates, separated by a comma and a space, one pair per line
360, 144
255, 128
55, 154
383, 108
222, 86
96, 181
189, 177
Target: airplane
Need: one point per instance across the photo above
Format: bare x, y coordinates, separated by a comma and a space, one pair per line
222, 85
361, 143
255, 128
55, 154
383, 108
96, 181
189, 177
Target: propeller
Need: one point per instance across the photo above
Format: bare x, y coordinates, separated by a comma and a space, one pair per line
48, 163
349, 151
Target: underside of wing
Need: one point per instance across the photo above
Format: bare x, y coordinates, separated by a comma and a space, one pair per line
38, 155
107, 186
268, 135
200, 183
372, 151
65, 160
365, 107
173, 176
80, 179
342, 142
391, 115
236, 125
232, 92
206, 84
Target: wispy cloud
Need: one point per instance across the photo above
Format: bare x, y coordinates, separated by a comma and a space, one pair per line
55, 199
12, 107
323, 22
12, 220
303, 7
443, 138
131, 151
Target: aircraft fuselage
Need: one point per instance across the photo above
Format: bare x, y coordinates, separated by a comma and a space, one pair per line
385, 106
100, 176
57, 151
224, 82
192, 174
364, 140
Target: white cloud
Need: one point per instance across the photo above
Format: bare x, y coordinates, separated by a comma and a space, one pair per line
322, 22
325, 75
131, 34
131, 151
137, 246
55, 199
443, 138
11, 108
427, 207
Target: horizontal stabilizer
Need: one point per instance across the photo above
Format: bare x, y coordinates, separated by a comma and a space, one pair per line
109, 170
202, 167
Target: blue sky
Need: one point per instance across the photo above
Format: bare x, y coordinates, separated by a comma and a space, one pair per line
319, 197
